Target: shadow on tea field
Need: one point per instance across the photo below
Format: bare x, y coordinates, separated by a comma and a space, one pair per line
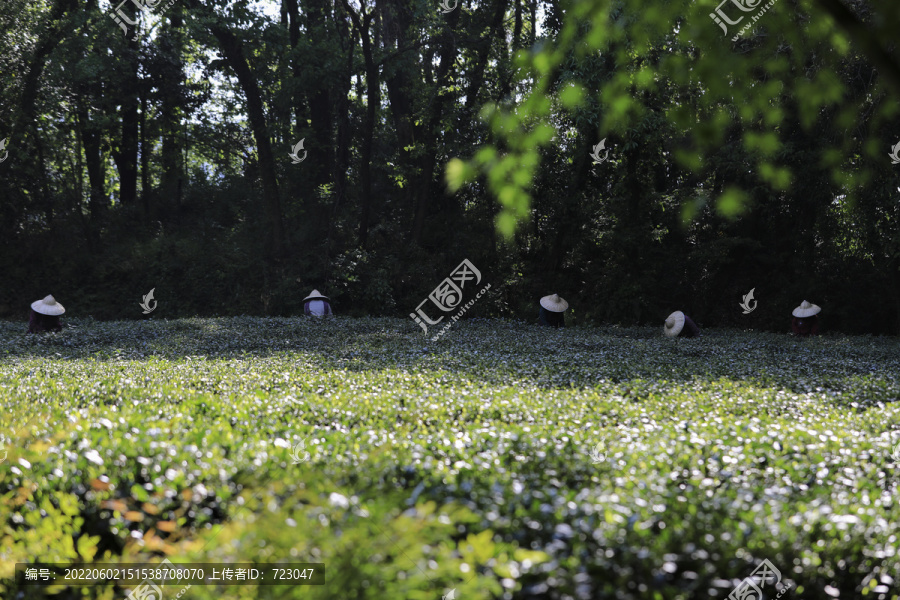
505, 461
492, 351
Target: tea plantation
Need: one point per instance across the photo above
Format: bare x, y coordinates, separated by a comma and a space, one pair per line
503, 461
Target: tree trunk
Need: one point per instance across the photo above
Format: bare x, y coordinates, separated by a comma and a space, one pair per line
171, 111
401, 94
293, 14
127, 153
373, 100
26, 126
233, 50
425, 185
342, 113
320, 98
93, 155
42, 51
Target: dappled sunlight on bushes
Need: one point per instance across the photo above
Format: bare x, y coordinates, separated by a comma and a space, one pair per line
465, 463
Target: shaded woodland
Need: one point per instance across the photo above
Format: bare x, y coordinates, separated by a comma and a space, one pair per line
160, 158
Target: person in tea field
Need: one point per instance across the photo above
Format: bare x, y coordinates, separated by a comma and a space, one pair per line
552, 309
316, 305
679, 324
805, 321
45, 315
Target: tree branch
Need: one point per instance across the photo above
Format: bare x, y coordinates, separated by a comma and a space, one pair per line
859, 32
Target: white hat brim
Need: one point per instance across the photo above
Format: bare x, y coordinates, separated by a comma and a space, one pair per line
677, 326
548, 303
801, 313
49, 310
315, 295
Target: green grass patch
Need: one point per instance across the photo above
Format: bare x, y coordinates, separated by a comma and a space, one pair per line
505, 460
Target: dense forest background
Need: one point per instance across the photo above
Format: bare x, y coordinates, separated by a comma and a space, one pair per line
156, 155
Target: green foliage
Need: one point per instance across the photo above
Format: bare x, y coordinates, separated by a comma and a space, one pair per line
673, 57
363, 282
773, 145
462, 464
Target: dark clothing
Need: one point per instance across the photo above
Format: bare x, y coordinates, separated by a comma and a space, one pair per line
690, 328
306, 310
805, 326
38, 323
551, 319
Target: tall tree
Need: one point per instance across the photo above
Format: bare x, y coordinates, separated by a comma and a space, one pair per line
320, 96
365, 31
129, 87
172, 92
233, 49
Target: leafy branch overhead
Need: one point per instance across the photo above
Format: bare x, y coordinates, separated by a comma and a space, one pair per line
611, 65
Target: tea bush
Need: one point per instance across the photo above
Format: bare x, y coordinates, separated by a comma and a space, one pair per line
503, 461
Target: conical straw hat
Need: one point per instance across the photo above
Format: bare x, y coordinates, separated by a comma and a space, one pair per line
48, 306
315, 295
806, 310
674, 324
554, 303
